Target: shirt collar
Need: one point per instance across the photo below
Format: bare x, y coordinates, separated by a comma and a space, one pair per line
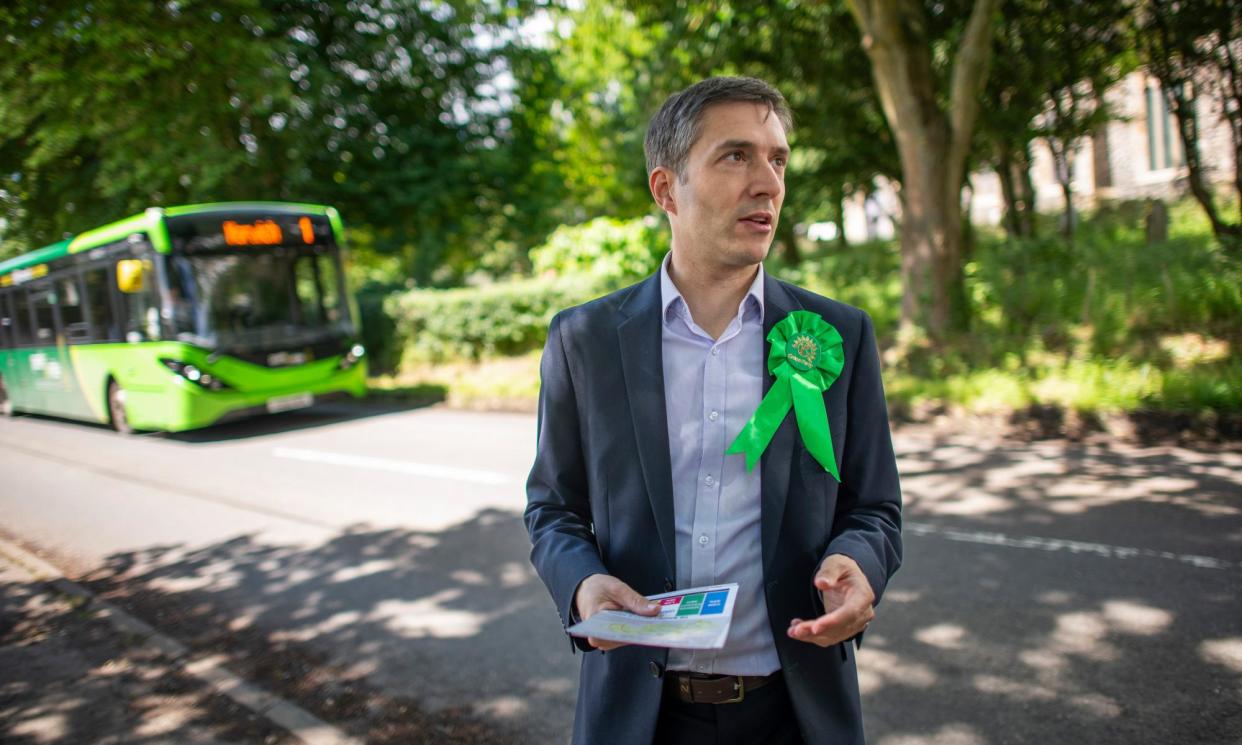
672, 303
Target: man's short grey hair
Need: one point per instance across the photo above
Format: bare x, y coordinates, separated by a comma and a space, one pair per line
679, 122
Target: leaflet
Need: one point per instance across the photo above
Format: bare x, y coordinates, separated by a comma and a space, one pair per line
696, 618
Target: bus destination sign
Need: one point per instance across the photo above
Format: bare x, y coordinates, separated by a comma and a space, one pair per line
263, 232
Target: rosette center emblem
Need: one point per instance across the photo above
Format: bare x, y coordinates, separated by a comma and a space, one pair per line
802, 351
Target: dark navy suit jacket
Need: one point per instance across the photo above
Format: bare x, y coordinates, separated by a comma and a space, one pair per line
600, 500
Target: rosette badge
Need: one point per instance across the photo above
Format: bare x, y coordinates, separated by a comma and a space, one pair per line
806, 356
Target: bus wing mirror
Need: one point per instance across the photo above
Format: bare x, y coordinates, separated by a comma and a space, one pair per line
129, 275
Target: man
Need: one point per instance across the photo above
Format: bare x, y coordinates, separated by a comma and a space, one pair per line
640, 483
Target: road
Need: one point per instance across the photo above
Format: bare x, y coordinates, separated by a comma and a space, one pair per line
373, 561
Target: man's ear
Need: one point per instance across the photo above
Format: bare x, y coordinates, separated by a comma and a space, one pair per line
661, 182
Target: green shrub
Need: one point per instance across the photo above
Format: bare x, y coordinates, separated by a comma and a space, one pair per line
613, 253
378, 328
470, 323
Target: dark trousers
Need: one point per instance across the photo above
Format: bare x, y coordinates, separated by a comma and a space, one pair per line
763, 717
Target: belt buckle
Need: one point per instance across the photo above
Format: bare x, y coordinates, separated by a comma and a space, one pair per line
740, 686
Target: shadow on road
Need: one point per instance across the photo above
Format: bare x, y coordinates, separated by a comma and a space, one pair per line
392, 632
321, 415
263, 425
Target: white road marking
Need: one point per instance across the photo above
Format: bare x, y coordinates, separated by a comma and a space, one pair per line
474, 476
1056, 544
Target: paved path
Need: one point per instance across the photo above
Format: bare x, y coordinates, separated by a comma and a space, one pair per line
371, 564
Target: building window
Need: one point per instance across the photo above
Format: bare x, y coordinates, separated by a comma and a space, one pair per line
1162, 145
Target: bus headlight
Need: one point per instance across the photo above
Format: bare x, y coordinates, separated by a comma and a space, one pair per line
355, 353
194, 375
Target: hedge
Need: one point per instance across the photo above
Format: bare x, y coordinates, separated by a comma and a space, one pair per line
469, 323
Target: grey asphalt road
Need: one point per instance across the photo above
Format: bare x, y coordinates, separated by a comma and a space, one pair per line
1053, 592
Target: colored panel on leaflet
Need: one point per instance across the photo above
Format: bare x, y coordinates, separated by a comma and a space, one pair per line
690, 605
715, 603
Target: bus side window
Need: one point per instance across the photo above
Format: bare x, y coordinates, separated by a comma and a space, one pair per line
6, 322
17, 311
43, 300
72, 314
98, 284
331, 288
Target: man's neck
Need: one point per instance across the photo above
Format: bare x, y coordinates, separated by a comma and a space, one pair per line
713, 293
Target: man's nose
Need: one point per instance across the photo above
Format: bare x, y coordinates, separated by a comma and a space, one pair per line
767, 181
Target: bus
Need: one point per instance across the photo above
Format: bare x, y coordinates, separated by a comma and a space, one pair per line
182, 317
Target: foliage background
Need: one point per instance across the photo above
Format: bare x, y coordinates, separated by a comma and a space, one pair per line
487, 157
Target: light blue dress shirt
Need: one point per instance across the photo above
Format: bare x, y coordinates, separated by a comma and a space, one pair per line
711, 388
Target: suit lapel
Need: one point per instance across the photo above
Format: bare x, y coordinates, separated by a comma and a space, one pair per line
643, 369
777, 460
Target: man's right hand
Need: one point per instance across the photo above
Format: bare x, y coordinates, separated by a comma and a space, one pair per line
605, 592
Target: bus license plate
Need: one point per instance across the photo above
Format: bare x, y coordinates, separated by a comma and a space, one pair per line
288, 403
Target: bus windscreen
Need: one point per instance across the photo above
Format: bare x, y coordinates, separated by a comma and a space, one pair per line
255, 280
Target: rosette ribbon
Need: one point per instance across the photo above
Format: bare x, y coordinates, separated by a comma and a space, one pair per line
806, 355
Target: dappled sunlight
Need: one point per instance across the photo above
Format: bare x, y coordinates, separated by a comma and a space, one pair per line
942, 635
879, 668
502, 706
1135, 618
429, 616
1224, 652
374, 566
1016, 690
950, 734
48, 724
382, 606
961, 475
1082, 634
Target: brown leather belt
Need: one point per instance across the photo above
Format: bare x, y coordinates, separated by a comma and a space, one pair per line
695, 688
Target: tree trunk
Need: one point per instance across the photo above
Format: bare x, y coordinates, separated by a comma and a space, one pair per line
1013, 170
785, 233
1023, 164
1004, 172
842, 240
1188, 132
1063, 167
931, 232
932, 142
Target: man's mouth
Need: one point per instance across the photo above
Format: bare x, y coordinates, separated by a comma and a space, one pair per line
759, 222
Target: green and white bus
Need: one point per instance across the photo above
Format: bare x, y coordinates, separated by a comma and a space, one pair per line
182, 317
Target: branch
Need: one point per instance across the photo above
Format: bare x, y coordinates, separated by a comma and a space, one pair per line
970, 72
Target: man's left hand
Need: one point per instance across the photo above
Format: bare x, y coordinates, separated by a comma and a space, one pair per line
847, 600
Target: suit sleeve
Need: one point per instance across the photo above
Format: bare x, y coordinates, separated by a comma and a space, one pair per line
558, 507
867, 523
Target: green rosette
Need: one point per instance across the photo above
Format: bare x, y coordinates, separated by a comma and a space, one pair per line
806, 355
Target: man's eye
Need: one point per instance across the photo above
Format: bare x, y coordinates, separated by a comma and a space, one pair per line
780, 162
737, 153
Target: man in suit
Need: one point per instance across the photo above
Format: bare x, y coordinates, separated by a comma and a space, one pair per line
636, 490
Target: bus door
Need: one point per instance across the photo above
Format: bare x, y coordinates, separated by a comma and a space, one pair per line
42, 367
71, 328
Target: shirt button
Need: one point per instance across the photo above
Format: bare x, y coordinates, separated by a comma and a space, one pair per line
715, 351
709, 480
703, 540
714, 415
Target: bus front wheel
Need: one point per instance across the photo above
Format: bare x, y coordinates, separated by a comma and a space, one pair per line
116, 409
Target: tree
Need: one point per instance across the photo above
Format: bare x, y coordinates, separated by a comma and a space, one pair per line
932, 115
1192, 46
620, 63
389, 111
1054, 60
